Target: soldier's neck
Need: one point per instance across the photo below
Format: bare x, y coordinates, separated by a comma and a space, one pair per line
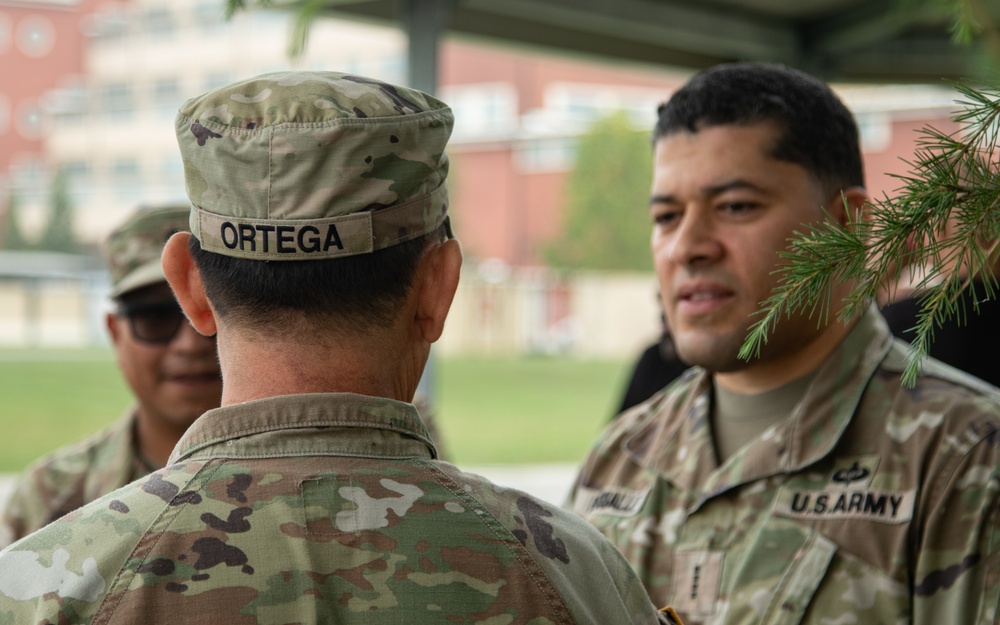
262, 368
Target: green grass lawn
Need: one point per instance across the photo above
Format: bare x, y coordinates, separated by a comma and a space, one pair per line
525, 410
490, 411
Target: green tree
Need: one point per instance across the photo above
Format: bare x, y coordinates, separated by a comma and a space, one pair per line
58, 235
607, 199
13, 236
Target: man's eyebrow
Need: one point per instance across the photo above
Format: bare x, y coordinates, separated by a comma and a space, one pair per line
738, 183
709, 191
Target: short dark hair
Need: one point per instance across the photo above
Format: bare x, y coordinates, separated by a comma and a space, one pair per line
818, 132
354, 293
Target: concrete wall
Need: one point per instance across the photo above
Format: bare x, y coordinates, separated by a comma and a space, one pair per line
51, 313
587, 314
497, 311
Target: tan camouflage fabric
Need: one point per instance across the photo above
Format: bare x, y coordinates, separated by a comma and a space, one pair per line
872, 503
325, 508
422, 402
312, 165
134, 248
70, 477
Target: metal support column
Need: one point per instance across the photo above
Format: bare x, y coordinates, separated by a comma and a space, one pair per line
424, 21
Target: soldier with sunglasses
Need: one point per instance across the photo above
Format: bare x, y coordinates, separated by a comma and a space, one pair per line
172, 370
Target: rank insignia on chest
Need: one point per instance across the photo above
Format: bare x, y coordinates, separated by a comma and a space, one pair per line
696, 582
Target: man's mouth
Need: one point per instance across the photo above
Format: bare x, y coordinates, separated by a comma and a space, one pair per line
207, 377
702, 299
698, 297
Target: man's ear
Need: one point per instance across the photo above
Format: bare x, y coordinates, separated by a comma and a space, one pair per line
439, 272
848, 205
111, 323
185, 280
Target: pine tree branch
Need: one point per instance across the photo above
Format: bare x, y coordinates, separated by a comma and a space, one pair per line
945, 223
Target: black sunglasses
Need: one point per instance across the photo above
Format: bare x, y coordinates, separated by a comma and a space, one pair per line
152, 322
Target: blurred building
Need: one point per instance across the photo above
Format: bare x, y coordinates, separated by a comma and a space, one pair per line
93, 86
42, 49
112, 131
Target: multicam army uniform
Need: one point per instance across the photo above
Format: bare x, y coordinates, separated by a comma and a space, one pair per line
326, 508
317, 508
871, 503
71, 477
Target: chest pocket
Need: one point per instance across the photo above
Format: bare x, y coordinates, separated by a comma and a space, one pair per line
772, 580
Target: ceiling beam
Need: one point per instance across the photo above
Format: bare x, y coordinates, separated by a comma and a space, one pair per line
642, 30
869, 25
870, 40
666, 25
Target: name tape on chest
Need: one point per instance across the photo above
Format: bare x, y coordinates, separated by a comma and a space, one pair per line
614, 501
863, 504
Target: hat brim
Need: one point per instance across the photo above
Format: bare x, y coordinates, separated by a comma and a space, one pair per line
144, 275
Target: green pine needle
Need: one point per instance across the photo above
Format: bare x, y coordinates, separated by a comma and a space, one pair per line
952, 176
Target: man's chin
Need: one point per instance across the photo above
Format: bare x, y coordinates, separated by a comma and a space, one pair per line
717, 356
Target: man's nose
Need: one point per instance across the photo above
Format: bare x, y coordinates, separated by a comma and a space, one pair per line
694, 241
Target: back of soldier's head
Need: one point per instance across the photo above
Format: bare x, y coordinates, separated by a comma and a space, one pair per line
816, 130
313, 195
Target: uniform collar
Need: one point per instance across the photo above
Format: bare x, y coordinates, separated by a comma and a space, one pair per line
677, 445
117, 457
309, 424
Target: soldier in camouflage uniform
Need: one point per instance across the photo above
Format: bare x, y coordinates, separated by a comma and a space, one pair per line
171, 369
808, 484
313, 494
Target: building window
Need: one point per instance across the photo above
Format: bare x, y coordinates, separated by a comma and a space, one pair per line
581, 104
546, 154
216, 80
125, 175
30, 178
78, 178
108, 26
167, 96
125, 170
75, 171
482, 110
67, 104
125, 178
159, 22
118, 103
875, 131
172, 172
209, 15
36, 36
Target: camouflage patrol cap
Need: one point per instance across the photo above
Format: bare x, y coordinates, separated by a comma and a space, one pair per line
134, 248
313, 165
